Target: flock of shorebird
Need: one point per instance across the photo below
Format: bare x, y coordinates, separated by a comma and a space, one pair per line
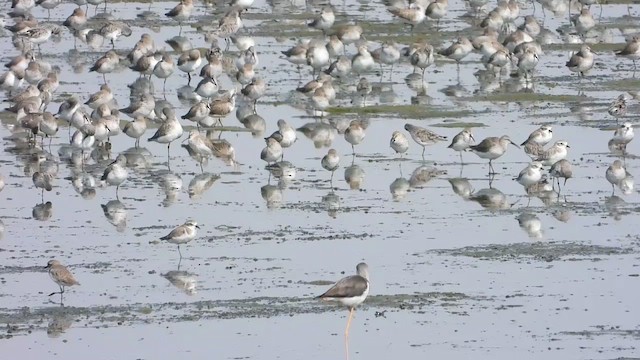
504, 49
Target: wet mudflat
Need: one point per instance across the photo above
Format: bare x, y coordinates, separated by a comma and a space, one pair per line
461, 264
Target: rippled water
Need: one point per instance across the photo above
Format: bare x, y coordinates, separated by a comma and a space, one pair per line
450, 277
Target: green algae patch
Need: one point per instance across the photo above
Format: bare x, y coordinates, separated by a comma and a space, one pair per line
402, 111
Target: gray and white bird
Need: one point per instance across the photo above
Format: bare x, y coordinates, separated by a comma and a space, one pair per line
182, 234
462, 141
330, 162
554, 154
621, 137
272, 152
116, 173
615, 173
399, 143
350, 291
561, 169
492, 148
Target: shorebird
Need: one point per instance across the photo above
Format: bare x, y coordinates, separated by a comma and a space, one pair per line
106, 64
324, 21
164, 68
181, 12
189, 62
423, 137
621, 137
582, 61
61, 276
354, 134
561, 169
330, 162
399, 143
631, 51
461, 142
540, 136
112, 30
492, 148
618, 107
42, 180
182, 234
350, 291
530, 175
412, 15
76, 20
136, 128
458, 50
615, 173
286, 134
102, 97
169, 131
272, 152
554, 154
437, 10
116, 173
422, 57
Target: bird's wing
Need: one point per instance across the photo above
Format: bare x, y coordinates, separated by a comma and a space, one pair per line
354, 285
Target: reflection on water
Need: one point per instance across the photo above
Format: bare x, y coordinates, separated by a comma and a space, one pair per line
58, 324
183, 280
116, 214
42, 211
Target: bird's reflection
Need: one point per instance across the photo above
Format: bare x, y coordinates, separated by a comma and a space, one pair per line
200, 184
116, 214
354, 176
626, 185
272, 195
284, 171
320, 133
331, 202
615, 205
58, 324
415, 82
183, 280
544, 191
84, 184
1, 229
171, 184
43, 211
531, 224
562, 214
256, 124
138, 158
461, 187
423, 174
399, 188
491, 198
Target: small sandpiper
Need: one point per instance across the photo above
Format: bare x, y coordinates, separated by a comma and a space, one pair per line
330, 162
399, 143
61, 276
462, 141
116, 173
136, 128
554, 154
631, 51
423, 137
189, 61
181, 12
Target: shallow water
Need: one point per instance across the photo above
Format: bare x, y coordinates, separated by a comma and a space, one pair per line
450, 278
